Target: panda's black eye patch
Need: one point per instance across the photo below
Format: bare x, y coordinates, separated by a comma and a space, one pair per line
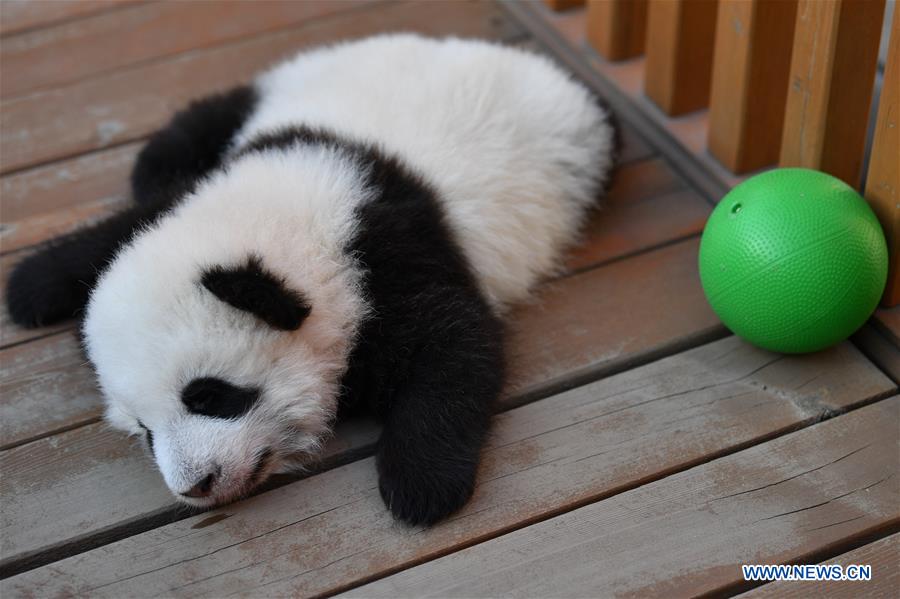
252, 288
214, 397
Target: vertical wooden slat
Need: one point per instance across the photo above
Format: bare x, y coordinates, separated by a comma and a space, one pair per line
830, 91
615, 28
883, 179
563, 4
679, 53
750, 75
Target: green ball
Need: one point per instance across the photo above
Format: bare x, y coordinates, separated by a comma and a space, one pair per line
793, 260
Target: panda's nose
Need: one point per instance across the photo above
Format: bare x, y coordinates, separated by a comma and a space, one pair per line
203, 488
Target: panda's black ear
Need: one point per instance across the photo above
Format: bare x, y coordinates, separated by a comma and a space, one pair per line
252, 288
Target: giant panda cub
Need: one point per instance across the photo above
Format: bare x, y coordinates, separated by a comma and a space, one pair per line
346, 232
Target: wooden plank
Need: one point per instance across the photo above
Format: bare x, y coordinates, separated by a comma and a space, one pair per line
687, 535
563, 4
127, 105
883, 179
47, 201
82, 49
616, 28
20, 15
602, 320
750, 79
884, 557
46, 386
332, 531
60, 476
680, 35
832, 75
647, 205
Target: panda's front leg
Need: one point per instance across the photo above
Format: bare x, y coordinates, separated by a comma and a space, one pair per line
54, 283
440, 411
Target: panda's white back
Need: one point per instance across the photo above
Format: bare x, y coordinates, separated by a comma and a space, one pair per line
514, 147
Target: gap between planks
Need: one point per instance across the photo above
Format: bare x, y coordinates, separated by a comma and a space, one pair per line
129, 104
687, 534
543, 459
143, 34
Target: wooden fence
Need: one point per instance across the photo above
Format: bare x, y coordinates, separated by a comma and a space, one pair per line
785, 82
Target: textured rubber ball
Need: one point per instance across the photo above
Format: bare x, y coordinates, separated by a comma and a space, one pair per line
793, 260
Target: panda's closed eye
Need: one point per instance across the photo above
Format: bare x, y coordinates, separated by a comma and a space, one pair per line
148, 434
214, 397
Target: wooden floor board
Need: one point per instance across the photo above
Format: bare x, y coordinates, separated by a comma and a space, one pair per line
45, 386
79, 50
686, 535
128, 105
598, 321
47, 201
884, 557
628, 471
332, 530
21, 15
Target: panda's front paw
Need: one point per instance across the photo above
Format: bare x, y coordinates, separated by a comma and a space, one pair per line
421, 488
40, 292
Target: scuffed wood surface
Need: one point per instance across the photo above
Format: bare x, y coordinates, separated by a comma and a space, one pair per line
884, 557
126, 105
688, 534
78, 50
51, 200
330, 531
607, 318
50, 487
45, 386
647, 205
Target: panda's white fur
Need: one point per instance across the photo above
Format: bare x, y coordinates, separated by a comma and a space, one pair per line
515, 150
510, 141
144, 357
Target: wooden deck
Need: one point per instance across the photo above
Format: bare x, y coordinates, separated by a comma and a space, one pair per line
639, 450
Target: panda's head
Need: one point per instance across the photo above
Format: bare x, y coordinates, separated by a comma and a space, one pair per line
221, 335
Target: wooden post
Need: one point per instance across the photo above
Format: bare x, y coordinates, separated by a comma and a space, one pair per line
680, 37
830, 90
562, 4
883, 179
749, 81
615, 28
